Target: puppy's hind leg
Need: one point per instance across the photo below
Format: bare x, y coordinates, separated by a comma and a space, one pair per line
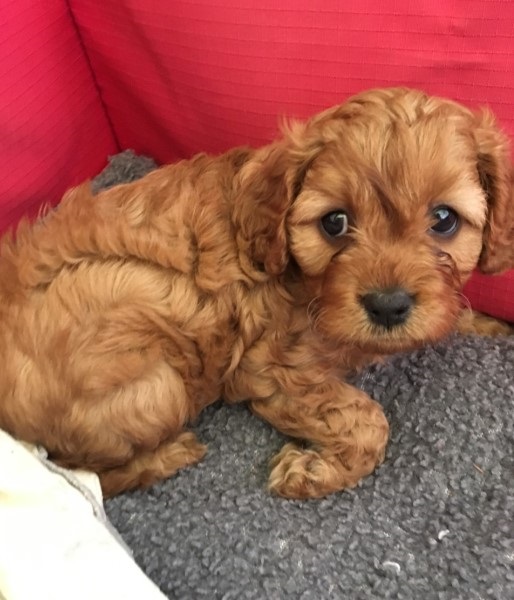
147, 467
133, 435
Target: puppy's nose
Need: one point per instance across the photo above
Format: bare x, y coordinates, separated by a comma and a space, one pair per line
389, 307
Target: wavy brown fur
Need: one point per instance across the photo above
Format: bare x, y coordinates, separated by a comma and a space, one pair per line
125, 314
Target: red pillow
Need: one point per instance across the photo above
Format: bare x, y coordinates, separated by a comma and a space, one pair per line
54, 129
182, 77
493, 295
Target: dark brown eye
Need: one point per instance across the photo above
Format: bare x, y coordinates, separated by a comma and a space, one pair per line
335, 224
446, 221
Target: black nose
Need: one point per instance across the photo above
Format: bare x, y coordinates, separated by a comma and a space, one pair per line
388, 307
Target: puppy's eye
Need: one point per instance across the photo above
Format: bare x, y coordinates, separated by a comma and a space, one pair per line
335, 223
446, 221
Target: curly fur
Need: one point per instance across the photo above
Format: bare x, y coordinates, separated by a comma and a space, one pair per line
125, 314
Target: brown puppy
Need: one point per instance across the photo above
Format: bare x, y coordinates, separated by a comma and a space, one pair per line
261, 275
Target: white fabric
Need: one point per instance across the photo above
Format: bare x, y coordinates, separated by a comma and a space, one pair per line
55, 543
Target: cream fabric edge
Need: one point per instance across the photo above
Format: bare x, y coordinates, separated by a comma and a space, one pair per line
55, 540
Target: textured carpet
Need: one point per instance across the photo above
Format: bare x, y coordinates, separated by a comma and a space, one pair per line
434, 522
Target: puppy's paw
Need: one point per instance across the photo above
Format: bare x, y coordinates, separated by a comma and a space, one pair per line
305, 473
475, 323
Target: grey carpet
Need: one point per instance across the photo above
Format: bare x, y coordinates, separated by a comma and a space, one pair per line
434, 522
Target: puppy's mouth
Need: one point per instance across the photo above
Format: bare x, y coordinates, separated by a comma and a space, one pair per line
388, 340
377, 339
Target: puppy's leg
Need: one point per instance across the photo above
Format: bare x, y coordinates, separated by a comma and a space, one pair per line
473, 322
127, 424
131, 435
347, 432
148, 467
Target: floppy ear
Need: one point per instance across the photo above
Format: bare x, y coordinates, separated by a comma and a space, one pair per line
496, 177
269, 184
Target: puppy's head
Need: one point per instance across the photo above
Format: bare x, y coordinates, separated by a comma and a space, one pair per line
384, 205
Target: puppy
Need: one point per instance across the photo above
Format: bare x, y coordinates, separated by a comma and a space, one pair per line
264, 275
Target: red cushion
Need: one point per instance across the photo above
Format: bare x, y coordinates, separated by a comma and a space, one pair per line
54, 132
492, 294
180, 76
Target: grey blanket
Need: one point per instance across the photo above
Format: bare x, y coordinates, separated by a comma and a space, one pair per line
436, 521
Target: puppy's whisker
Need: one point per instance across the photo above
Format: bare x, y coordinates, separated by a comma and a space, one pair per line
312, 305
314, 313
466, 303
314, 322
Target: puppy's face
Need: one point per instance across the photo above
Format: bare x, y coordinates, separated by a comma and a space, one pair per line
393, 201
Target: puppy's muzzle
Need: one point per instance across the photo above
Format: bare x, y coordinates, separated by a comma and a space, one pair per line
388, 307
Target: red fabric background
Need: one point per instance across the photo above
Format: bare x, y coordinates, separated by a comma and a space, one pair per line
189, 75
492, 294
176, 77
53, 128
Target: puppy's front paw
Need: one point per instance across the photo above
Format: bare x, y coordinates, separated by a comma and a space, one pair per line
304, 473
472, 322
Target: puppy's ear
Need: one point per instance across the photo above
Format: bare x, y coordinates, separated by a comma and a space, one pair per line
496, 177
269, 184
